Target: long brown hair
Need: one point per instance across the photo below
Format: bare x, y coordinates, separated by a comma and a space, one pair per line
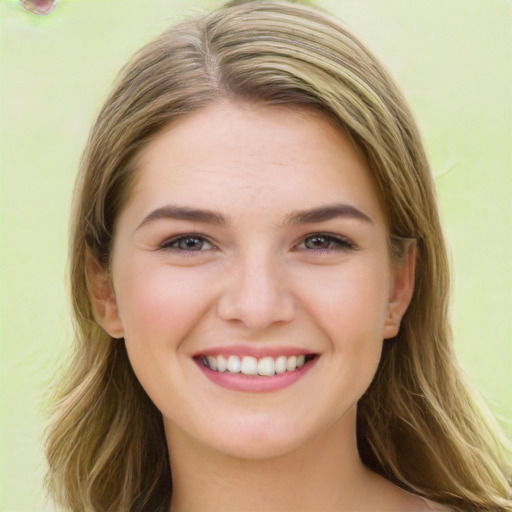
419, 423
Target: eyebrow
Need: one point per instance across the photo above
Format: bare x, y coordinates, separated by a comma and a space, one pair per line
184, 213
296, 218
327, 212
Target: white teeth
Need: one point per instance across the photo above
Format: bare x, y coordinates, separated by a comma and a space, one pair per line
291, 363
212, 362
222, 364
281, 364
266, 366
234, 364
248, 365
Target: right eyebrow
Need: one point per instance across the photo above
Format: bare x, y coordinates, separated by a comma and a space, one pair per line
184, 213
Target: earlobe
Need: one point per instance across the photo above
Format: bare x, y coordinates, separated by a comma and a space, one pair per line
401, 290
103, 298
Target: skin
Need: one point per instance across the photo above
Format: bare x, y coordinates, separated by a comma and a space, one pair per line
257, 280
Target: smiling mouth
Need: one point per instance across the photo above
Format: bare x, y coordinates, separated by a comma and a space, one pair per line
247, 365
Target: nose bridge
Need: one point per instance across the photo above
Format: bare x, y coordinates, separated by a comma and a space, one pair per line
257, 293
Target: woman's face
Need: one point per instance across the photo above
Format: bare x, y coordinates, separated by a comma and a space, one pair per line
253, 239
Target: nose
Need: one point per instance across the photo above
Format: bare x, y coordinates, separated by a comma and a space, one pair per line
257, 294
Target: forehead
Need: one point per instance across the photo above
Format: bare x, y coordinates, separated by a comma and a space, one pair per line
237, 157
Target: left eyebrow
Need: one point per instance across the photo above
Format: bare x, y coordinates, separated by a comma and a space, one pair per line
327, 212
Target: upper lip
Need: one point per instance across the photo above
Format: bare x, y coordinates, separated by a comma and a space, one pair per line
254, 351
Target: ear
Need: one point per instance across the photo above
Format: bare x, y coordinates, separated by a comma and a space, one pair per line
401, 290
103, 298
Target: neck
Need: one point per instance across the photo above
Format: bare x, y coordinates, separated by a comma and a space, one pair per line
324, 473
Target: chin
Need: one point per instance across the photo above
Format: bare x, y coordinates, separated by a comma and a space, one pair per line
248, 437
264, 437
259, 447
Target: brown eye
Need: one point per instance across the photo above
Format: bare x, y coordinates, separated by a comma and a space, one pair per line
190, 244
317, 242
321, 242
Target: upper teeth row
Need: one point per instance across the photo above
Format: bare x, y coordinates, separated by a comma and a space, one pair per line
249, 365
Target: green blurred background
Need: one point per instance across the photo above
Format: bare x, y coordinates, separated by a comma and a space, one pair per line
452, 57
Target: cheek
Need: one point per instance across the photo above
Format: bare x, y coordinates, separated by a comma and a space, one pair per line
159, 306
352, 316
158, 303
350, 302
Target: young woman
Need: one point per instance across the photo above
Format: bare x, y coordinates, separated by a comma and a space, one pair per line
260, 286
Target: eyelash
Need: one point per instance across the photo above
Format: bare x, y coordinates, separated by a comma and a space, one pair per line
335, 243
169, 245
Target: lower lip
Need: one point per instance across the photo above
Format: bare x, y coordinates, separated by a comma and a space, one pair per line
256, 383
